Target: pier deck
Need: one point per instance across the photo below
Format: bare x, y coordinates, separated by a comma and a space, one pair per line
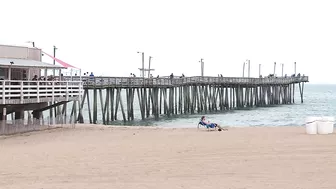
135, 82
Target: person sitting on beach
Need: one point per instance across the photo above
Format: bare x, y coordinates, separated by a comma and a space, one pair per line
211, 125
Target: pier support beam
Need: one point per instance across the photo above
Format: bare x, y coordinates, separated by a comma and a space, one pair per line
19, 114
301, 87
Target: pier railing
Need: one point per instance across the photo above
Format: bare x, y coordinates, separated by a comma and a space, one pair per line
152, 82
20, 92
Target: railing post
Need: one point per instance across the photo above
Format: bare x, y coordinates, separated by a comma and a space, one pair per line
21, 92
67, 91
80, 92
94, 80
53, 92
3, 92
38, 91
9, 88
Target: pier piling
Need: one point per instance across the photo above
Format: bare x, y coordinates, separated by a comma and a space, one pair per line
190, 95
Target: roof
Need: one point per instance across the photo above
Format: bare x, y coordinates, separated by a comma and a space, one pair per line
25, 63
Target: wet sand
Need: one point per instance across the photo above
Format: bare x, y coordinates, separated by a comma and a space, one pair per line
138, 157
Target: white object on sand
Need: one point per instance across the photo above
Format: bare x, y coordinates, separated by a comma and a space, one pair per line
325, 125
311, 125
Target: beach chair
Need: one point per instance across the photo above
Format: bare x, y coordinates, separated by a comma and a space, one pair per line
208, 126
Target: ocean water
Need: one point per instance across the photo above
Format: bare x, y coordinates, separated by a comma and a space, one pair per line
319, 100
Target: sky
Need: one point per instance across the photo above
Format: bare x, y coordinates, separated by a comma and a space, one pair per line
104, 36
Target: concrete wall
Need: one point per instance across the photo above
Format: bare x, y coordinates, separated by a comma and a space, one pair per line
7, 51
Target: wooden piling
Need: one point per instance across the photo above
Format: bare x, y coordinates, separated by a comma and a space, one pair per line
185, 98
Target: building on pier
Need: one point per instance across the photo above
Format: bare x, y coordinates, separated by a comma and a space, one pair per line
26, 87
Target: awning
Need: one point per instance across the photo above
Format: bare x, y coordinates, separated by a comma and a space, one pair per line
25, 63
64, 64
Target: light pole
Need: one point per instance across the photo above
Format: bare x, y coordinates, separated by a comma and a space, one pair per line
54, 59
143, 64
244, 68
294, 68
282, 69
259, 70
202, 67
149, 65
248, 68
274, 69
10, 70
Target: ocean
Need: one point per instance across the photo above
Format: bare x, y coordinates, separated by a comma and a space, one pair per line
319, 100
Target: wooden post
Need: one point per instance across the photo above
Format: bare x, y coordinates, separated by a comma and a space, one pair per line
88, 105
112, 103
95, 113
102, 105
140, 104
80, 115
301, 87
121, 104
116, 104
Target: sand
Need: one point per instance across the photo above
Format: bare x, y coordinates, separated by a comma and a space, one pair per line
125, 157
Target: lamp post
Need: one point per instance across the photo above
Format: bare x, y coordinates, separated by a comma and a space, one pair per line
248, 68
202, 67
259, 70
294, 68
274, 68
149, 66
143, 64
10, 71
282, 69
244, 68
54, 59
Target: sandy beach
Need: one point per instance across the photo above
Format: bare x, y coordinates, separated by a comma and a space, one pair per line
146, 157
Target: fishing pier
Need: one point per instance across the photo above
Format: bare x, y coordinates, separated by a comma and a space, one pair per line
27, 89
155, 97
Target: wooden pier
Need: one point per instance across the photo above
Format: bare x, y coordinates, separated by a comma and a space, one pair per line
188, 95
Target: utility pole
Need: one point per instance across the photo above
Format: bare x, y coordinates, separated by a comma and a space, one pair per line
142, 70
54, 59
244, 64
248, 73
149, 65
202, 67
274, 68
143, 65
259, 70
282, 69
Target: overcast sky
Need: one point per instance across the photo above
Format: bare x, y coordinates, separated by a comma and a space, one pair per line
104, 36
